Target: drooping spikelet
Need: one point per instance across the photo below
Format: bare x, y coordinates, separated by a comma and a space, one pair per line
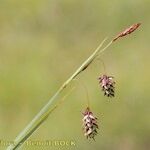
107, 84
89, 124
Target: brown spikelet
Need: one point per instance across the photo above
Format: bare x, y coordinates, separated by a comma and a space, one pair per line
127, 31
107, 84
89, 124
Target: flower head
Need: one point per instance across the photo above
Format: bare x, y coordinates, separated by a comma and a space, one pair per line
89, 124
107, 85
127, 31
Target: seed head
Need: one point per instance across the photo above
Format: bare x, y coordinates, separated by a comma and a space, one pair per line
89, 124
127, 31
107, 84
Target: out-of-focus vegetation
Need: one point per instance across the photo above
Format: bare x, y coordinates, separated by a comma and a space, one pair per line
43, 41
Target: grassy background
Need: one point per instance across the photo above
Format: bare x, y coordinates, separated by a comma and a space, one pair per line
42, 42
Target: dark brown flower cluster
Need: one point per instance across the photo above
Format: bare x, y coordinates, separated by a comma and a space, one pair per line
89, 124
107, 85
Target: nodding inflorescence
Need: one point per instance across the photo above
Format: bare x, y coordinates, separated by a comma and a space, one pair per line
90, 125
107, 84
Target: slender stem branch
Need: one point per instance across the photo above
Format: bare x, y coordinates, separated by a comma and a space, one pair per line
86, 92
103, 64
105, 47
44, 112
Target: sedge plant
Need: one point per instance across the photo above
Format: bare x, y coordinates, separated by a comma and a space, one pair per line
89, 121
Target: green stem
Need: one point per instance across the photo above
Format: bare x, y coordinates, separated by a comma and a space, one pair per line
44, 112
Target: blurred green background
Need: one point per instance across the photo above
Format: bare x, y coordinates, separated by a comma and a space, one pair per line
42, 42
